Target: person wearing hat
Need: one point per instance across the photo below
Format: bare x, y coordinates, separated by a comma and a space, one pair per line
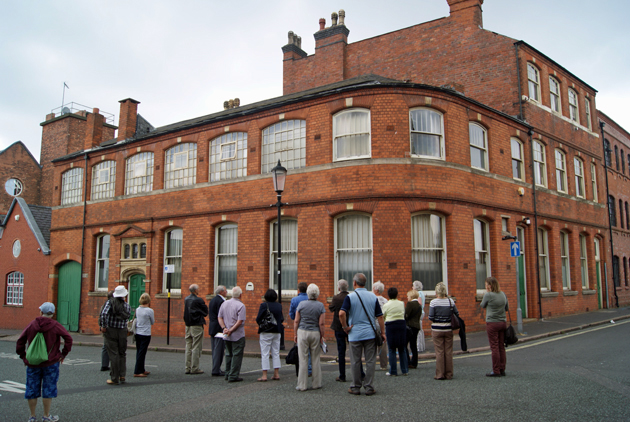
113, 323
41, 380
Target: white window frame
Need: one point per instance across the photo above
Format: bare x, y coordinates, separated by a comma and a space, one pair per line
483, 150
369, 250
517, 161
417, 249
171, 259
565, 262
13, 186
233, 166
72, 186
587, 111
584, 262
220, 253
533, 82
543, 255
540, 166
139, 173
284, 141
337, 136
102, 260
15, 289
561, 171
574, 110
482, 227
554, 95
289, 253
578, 165
594, 182
103, 188
177, 175
417, 128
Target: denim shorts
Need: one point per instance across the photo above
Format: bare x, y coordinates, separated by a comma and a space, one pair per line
42, 382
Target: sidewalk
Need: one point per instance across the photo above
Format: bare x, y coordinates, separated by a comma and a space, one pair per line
477, 341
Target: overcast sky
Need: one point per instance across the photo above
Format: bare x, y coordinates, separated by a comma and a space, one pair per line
182, 59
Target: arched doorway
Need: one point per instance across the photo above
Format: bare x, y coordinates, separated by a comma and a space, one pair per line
69, 295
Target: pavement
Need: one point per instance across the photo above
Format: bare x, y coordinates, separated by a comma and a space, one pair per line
477, 341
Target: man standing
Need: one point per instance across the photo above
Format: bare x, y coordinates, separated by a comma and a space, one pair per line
195, 311
41, 380
294, 304
231, 320
340, 334
357, 315
218, 345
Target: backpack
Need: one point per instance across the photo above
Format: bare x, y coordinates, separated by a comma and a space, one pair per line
36, 352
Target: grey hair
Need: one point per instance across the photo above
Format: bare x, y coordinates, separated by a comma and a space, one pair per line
312, 291
194, 288
378, 287
237, 292
343, 285
360, 279
46, 315
417, 285
219, 289
440, 290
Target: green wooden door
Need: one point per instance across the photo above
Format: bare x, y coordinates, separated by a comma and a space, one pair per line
136, 288
69, 295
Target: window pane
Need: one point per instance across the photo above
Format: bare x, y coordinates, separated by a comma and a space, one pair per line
227, 255
351, 134
354, 247
481, 253
288, 137
289, 255
427, 256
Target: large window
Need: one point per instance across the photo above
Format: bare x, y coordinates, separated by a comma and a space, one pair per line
543, 258
587, 111
72, 186
289, 255
554, 95
482, 253
351, 134
594, 182
180, 166
353, 247
428, 251
518, 171
139, 173
540, 168
228, 156
533, 82
284, 141
611, 211
564, 257
102, 262
579, 178
607, 153
427, 133
173, 242
15, 288
478, 146
103, 180
583, 262
561, 171
225, 260
573, 106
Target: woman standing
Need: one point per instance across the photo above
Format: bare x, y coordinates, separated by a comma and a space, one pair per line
114, 328
396, 332
413, 311
442, 332
377, 289
417, 286
309, 334
270, 339
495, 302
145, 318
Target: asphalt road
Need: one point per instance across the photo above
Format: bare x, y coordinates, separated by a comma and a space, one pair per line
581, 376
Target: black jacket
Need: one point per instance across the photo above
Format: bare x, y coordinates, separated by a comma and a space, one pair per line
213, 315
335, 306
195, 311
276, 310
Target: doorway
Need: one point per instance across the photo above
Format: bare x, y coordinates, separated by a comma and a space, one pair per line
136, 288
522, 279
69, 295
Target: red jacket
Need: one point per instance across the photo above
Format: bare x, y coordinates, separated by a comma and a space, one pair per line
53, 332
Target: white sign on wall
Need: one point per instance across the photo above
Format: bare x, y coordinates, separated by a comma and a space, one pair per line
169, 268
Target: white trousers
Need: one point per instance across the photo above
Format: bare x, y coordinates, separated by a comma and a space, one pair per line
270, 342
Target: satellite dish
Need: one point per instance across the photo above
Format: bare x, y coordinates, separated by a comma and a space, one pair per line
65, 110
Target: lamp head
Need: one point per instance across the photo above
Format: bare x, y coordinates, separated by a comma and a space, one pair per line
279, 174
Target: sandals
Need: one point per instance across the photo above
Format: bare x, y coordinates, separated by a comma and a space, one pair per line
262, 380
275, 378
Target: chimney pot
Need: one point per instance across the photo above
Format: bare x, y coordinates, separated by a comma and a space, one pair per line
291, 34
225, 105
322, 24
333, 19
342, 17
230, 103
237, 102
299, 42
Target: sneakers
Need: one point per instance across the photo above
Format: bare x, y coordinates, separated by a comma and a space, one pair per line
391, 375
32, 419
49, 418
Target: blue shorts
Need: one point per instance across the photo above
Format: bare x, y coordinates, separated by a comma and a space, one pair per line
42, 382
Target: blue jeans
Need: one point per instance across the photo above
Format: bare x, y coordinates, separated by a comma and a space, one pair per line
402, 354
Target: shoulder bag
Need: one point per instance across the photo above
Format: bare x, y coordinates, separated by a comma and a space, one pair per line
268, 321
510, 334
454, 318
377, 336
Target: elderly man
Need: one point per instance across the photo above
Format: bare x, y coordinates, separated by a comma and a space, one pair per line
218, 345
195, 312
232, 320
382, 351
357, 315
340, 334
41, 378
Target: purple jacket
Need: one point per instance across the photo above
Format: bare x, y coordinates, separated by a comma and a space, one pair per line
53, 331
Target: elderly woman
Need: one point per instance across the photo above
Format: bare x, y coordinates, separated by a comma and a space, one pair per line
413, 311
378, 289
113, 322
442, 332
495, 302
309, 334
145, 318
417, 286
396, 332
270, 339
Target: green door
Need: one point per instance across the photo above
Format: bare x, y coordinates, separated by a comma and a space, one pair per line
69, 295
136, 288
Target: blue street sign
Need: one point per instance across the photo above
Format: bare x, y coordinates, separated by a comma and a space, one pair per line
515, 249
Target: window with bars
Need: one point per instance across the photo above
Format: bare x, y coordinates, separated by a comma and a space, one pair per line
228, 156
15, 289
428, 250
573, 106
564, 257
103, 180
482, 253
518, 171
579, 177
284, 141
226, 255
72, 186
478, 146
543, 258
554, 95
561, 171
351, 135
540, 168
353, 247
102, 262
583, 262
533, 82
180, 166
427, 133
139, 173
289, 255
173, 244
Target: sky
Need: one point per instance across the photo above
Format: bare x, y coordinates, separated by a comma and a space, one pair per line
183, 59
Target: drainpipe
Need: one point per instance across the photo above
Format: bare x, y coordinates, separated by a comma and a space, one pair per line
518, 75
612, 250
531, 146
85, 171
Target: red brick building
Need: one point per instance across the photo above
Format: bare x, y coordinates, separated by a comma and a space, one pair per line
20, 174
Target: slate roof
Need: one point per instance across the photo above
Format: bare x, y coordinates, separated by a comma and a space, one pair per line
38, 219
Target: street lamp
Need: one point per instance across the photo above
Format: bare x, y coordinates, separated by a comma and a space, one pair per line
279, 174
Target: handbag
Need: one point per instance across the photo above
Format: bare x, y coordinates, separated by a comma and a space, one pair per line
131, 327
292, 357
268, 321
378, 338
510, 334
454, 318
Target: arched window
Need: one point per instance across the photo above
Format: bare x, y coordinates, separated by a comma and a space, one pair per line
427, 133
612, 212
353, 247
351, 134
564, 257
226, 256
587, 111
594, 182
284, 141
102, 262
478, 147
533, 82
574, 113
583, 262
543, 259
518, 169
621, 214
561, 171
173, 244
554, 95
15, 288
103, 180
607, 153
540, 167
482, 252
72, 186
143, 250
127, 251
428, 250
14, 186
616, 278
579, 178
623, 163
134, 251
289, 255
139, 173
180, 166
617, 157
228, 156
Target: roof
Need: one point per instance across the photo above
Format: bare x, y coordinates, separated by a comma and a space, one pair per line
38, 219
20, 143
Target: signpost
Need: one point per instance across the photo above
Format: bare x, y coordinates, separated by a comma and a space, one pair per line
515, 252
168, 269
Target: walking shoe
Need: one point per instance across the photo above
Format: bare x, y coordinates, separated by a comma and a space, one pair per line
370, 393
110, 382
340, 379
492, 374
50, 418
354, 392
104, 368
139, 375
236, 380
405, 374
389, 375
502, 373
198, 372
122, 380
32, 419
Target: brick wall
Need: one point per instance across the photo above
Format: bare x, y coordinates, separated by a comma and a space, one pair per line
18, 163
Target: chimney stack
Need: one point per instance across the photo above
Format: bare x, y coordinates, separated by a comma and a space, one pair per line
466, 12
94, 130
128, 118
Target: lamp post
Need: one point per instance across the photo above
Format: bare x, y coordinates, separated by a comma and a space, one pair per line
279, 174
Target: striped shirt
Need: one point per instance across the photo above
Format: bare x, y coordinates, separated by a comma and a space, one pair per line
440, 314
108, 320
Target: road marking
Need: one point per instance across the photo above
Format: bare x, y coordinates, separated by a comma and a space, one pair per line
12, 387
